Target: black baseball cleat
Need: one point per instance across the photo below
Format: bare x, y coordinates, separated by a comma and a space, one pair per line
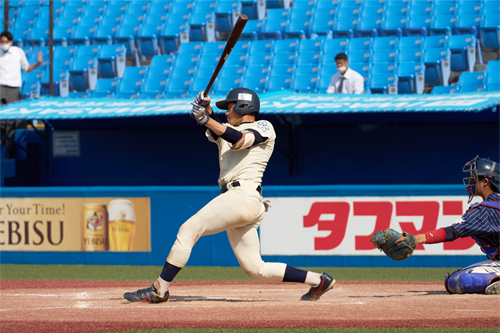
147, 295
326, 283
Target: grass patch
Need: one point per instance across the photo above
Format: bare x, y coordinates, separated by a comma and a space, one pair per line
322, 330
199, 273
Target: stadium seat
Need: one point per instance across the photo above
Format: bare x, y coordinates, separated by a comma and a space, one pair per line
135, 72
215, 47
472, 81
302, 9
437, 66
418, 25
95, 10
420, 9
65, 53
62, 34
311, 45
160, 7
27, 14
393, 26
468, 7
170, 37
183, 72
282, 70
369, 26
147, 40
298, 28
448, 8
111, 61
405, 54
259, 58
273, 29
224, 85
259, 71
162, 61
107, 86
83, 73
236, 58
277, 14
257, 84
394, 9
252, 30
137, 8
286, 45
87, 51
209, 59
440, 90
383, 55
226, 13
261, 46
307, 69
360, 43
468, 24
493, 75
278, 82
133, 19
110, 19
345, 27
336, 45
411, 42
104, 34
283, 57
252, 8
186, 60
61, 82
385, 43
115, 10
308, 57
157, 18
304, 83
382, 84
129, 88
74, 94
411, 77
126, 34
384, 68
153, 88
204, 6
463, 52
90, 20
436, 42
232, 71
363, 56
490, 32
372, 8
31, 87
362, 68
322, 27
191, 48
443, 25
82, 34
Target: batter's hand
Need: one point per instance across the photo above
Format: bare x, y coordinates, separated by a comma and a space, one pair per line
201, 99
199, 113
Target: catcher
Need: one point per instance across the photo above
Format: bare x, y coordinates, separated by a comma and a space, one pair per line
481, 222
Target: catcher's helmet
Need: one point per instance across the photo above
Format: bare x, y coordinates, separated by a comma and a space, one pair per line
241, 96
481, 167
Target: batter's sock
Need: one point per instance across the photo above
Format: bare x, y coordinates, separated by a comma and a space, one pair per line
167, 275
293, 274
313, 279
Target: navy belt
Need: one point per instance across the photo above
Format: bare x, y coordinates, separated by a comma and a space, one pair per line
236, 184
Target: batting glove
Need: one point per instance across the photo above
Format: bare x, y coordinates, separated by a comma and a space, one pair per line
199, 113
202, 100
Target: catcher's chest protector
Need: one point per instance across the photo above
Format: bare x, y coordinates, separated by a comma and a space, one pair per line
491, 252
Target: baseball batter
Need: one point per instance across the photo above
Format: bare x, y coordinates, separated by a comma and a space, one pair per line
481, 222
245, 146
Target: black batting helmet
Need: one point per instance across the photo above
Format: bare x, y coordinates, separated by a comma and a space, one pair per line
241, 96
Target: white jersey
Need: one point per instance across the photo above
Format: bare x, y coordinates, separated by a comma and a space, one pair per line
246, 164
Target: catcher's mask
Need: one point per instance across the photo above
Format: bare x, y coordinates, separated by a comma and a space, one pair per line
481, 167
247, 101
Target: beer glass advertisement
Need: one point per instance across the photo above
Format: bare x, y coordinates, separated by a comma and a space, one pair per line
75, 224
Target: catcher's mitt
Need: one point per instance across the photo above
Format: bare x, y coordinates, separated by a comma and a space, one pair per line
385, 240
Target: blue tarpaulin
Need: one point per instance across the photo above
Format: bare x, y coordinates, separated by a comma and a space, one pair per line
284, 102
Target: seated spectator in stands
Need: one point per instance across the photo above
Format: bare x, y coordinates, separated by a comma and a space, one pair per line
347, 80
12, 60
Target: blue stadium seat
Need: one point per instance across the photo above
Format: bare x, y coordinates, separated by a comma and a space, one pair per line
273, 29
224, 85
104, 34
298, 12
187, 60
307, 69
282, 70
441, 90
95, 94
385, 43
232, 71
443, 25
277, 14
362, 68
259, 58
298, 28
369, 26
137, 8
363, 56
372, 8
421, 9
107, 85
259, 71
463, 52
308, 57
214, 47
490, 32
284, 57
153, 88
157, 18
250, 8
191, 48
162, 61
348, 9
62, 35
311, 44
396, 9
65, 54
26, 14
360, 43
337, 44
82, 71
135, 72
468, 24
115, 10
236, 58
204, 6
382, 84
200, 24
31, 87
393, 26
418, 25
204, 72
160, 7
304, 83
468, 7
147, 39
126, 34
170, 37
73, 8
322, 26
129, 88
405, 54
384, 55
437, 66
345, 27
90, 20
444, 9
252, 30
493, 75
411, 77
111, 61
242, 46
384, 68
74, 94
436, 42
323, 83
87, 51
261, 46
411, 42
224, 15
95, 10
82, 34
61, 82
199, 84
326, 5
278, 82
287, 45
472, 81
111, 20
186, 72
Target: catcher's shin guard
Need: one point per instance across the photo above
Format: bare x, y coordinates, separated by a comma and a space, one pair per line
147, 295
468, 283
326, 283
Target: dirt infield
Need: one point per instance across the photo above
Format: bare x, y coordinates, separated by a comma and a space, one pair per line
85, 306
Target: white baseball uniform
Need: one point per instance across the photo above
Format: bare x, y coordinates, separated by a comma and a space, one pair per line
238, 211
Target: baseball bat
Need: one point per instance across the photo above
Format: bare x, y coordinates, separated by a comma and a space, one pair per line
233, 38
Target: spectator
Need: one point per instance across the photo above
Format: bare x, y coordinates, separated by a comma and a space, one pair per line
12, 60
346, 81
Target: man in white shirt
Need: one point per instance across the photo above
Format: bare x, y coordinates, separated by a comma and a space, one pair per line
347, 80
12, 60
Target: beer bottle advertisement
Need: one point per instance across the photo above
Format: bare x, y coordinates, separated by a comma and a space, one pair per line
75, 224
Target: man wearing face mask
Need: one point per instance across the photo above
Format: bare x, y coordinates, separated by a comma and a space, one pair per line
12, 60
346, 81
